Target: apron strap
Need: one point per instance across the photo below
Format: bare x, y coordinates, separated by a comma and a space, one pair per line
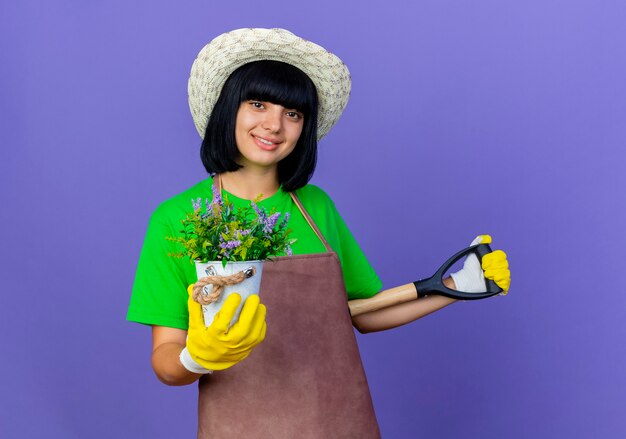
217, 182
309, 220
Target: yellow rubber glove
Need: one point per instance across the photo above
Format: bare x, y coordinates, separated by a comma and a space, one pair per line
494, 267
219, 347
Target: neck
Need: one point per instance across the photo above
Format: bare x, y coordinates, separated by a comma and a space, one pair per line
249, 183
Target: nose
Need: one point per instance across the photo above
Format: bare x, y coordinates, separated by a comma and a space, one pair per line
273, 119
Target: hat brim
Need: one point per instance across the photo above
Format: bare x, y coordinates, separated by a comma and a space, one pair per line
226, 53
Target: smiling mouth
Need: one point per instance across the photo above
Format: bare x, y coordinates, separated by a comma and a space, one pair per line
266, 145
266, 142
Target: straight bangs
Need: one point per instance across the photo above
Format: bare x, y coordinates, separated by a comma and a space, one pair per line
279, 83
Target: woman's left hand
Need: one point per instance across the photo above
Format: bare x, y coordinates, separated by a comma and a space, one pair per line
471, 278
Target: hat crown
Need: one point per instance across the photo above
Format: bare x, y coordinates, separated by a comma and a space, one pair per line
226, 53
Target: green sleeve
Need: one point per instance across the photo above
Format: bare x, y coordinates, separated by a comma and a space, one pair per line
360, 279
159, 295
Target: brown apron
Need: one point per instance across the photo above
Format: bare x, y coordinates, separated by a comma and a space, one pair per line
305, 380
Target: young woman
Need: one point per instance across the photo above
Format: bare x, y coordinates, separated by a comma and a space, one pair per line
261, 99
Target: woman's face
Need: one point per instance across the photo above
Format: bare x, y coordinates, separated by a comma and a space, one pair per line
266, 133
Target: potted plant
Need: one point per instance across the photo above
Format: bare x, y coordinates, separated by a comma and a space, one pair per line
228, 247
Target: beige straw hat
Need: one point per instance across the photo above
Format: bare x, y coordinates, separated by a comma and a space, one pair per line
229, 51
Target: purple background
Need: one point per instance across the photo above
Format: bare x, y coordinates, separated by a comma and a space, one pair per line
475, 117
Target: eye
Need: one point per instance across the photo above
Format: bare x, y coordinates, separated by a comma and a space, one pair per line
256, 104
294, 115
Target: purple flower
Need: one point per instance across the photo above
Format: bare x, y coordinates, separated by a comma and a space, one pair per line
256, 208
230, 244
270, 222
197, 204
217, 196
288, 251
259, 211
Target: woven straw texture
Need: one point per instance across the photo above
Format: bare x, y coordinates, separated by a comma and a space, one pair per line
222, 56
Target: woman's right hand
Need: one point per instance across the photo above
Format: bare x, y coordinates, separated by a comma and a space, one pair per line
219, 347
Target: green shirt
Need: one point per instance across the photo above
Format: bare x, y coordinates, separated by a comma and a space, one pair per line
159, 294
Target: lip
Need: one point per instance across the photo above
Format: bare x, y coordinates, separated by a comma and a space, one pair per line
265, 146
